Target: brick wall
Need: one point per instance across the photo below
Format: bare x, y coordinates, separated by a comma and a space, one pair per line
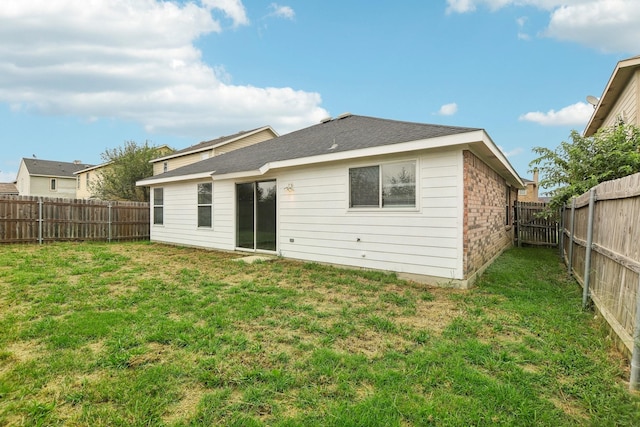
485, 231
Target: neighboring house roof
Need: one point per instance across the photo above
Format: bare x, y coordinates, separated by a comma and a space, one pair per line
38, 167
8, 188
347, 136
617, 82
90, 168
214, 143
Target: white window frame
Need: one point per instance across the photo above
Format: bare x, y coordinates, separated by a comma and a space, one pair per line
381, 207
159, 206
53, 184
205, 205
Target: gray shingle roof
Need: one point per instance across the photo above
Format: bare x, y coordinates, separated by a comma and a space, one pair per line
8, 188
53, 167
213, 142
338, 135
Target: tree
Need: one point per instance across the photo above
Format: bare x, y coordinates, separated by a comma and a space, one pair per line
574, 167
124, 167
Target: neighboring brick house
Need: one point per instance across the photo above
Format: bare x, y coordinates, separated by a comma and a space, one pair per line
207, 149
429, 202
48, 178
530, 192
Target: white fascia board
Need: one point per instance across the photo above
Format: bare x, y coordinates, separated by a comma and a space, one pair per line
502, 158
156, 181
238, 175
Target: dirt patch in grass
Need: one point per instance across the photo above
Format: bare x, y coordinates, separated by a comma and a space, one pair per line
569, 407
25, 351
186, 407
369, 343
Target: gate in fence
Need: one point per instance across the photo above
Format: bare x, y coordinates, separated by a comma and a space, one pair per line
533, 226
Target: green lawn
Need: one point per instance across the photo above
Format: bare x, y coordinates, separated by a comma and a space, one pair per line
141, 334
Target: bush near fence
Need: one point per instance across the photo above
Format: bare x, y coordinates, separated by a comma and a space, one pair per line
28, 219
613, 275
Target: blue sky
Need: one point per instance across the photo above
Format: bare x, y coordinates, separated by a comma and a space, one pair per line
80, 76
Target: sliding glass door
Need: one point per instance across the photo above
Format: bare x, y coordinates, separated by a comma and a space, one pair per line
256, 215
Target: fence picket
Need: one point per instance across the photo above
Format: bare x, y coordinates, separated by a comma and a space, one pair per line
71, 219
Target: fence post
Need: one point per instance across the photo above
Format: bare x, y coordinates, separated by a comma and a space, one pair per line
587, 259
40, 202
571, 234
109, 209
560, 232
634, 381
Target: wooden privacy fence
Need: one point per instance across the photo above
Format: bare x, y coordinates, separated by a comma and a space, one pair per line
534, 228
27, 219
601, 246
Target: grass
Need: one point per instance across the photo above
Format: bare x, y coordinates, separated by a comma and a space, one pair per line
141, 334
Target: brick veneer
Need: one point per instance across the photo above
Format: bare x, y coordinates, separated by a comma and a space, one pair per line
485, 233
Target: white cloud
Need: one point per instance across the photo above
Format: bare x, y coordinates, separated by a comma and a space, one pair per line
135, 60
521, 24
234, 9
448, 109
577, 114
282, 11
606, 25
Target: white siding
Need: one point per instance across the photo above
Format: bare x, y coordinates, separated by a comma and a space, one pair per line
626, 105
316, 216
315, 222
245, 142
180, 216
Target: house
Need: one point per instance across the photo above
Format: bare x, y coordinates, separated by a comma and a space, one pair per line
8, 189
48, 178
619, 101
530, 192
207, 149
87, 178
429, 202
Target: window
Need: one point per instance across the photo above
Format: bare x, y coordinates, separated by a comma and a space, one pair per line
88, 180
78, 181
158, 206
204, 204
386, 185
522, 192
52, 184
165, 166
